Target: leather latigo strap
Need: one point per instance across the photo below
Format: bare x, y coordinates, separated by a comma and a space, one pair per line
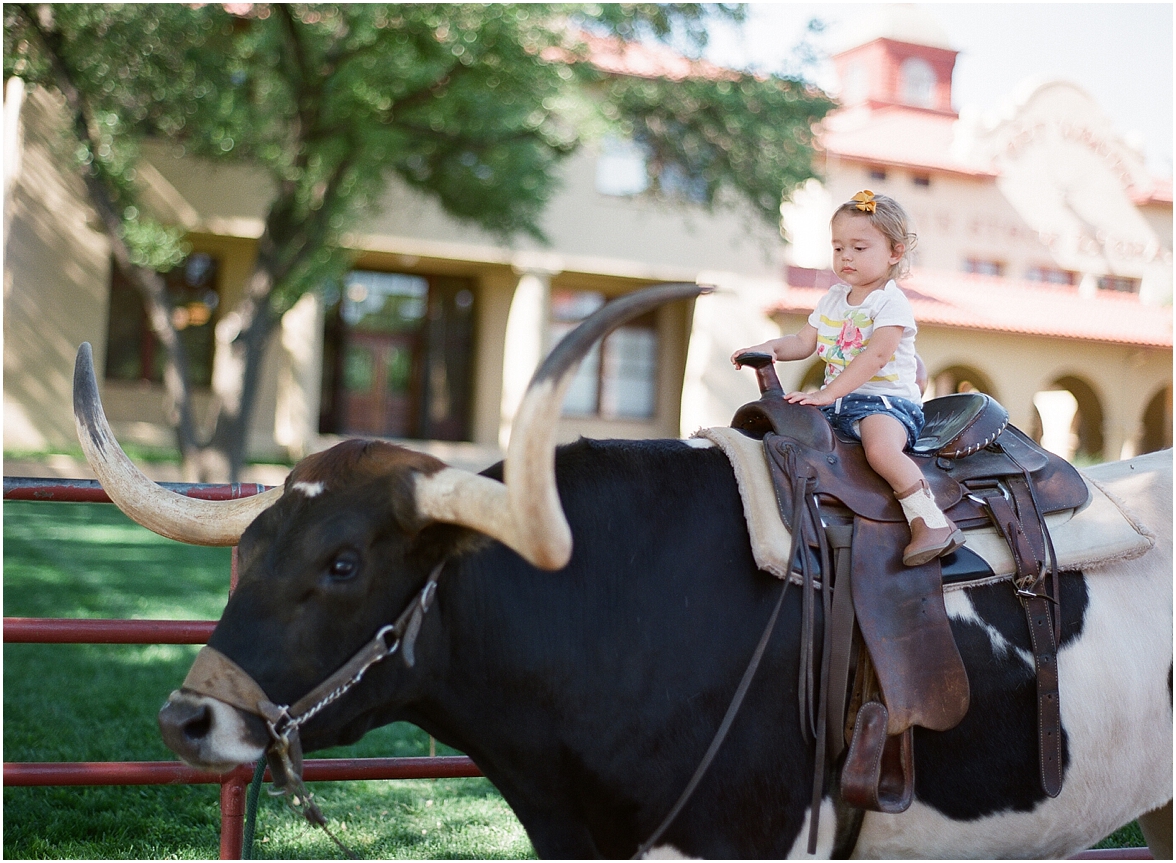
1049, 716
1031, 578
843, 623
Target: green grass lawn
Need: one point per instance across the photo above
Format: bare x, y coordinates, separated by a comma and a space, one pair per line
98, 703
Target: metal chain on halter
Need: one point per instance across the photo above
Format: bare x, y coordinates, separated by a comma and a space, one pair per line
286, 723
405, 629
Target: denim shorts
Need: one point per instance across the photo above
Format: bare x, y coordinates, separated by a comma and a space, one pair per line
845, 414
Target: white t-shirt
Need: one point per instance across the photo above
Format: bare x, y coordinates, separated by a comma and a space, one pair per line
843, 331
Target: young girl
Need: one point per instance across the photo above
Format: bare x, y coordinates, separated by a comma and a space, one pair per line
864, 330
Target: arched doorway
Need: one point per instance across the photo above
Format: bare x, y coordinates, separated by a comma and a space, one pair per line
1157, 422
959, 379
1068, 420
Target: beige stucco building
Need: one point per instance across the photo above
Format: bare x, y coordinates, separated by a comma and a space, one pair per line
1043, 271
433, 336
514, 301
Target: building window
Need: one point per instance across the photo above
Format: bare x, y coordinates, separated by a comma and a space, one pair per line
878, 174
1051, 276
618, 378
621, 168
1120, 284
673, 182
923, 180
983, 267
132, 351
918, 83
397, 356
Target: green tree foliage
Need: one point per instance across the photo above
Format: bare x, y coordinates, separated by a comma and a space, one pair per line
472, 105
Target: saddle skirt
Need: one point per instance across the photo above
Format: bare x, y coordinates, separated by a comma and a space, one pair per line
1098, 532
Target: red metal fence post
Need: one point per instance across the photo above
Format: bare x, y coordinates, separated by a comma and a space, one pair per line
232, 805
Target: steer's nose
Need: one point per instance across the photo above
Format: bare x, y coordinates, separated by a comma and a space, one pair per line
184, 725
210, 734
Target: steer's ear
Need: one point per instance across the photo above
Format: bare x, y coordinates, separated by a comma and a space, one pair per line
427, 537
439, 541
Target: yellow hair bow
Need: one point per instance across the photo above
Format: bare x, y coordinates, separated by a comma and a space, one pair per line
865, 201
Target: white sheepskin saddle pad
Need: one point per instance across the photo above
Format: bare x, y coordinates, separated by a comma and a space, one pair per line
1098, 533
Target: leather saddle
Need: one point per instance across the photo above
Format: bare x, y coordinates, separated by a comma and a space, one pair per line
982, 471
967, 445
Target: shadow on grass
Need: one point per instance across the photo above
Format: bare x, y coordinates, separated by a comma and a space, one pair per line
98, 703
90, 560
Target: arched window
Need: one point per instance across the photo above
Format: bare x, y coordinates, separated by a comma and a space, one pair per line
918, 83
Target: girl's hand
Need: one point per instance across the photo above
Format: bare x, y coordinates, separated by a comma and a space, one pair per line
765, 348
818, 399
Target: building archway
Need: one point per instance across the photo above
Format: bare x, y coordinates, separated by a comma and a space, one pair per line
1068, 420
1156, 432
959, 379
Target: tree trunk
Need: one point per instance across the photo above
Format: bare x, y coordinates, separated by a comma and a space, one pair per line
243, 335
241, 340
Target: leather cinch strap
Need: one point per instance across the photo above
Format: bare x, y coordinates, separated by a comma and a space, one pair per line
1042, 632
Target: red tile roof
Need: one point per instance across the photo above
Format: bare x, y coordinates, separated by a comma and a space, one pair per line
640, 60
651, 61
995, 304
895, 135
1160, 192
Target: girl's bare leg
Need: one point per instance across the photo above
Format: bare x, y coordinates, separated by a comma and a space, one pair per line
932, 533
884, 439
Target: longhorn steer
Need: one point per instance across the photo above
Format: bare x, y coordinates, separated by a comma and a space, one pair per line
589, 695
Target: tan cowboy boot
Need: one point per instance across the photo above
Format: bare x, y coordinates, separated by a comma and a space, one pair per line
933, 534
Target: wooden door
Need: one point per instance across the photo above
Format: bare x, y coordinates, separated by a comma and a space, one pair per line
378, 384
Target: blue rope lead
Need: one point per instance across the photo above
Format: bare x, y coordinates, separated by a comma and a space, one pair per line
251, 810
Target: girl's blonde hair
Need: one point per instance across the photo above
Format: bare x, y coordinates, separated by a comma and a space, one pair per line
888, 216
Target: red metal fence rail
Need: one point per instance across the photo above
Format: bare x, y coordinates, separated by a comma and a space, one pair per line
27, 630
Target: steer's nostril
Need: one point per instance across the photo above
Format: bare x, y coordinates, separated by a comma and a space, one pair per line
184, 726
197, 727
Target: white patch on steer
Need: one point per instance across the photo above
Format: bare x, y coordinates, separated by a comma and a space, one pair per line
1115, 710
959, 607
226, 743
666, 852
826, 834
310, 489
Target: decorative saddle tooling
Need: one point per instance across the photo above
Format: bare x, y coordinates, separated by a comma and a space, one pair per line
1014, 502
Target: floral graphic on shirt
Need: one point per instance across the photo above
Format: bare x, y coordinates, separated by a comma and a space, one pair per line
849, 342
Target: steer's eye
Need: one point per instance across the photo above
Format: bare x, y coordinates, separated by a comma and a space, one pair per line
345, 565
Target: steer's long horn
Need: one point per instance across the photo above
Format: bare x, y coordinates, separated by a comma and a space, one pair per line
525, 513
200, 522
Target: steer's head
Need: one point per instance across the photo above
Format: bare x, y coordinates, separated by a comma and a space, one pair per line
336, 557
330, 559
